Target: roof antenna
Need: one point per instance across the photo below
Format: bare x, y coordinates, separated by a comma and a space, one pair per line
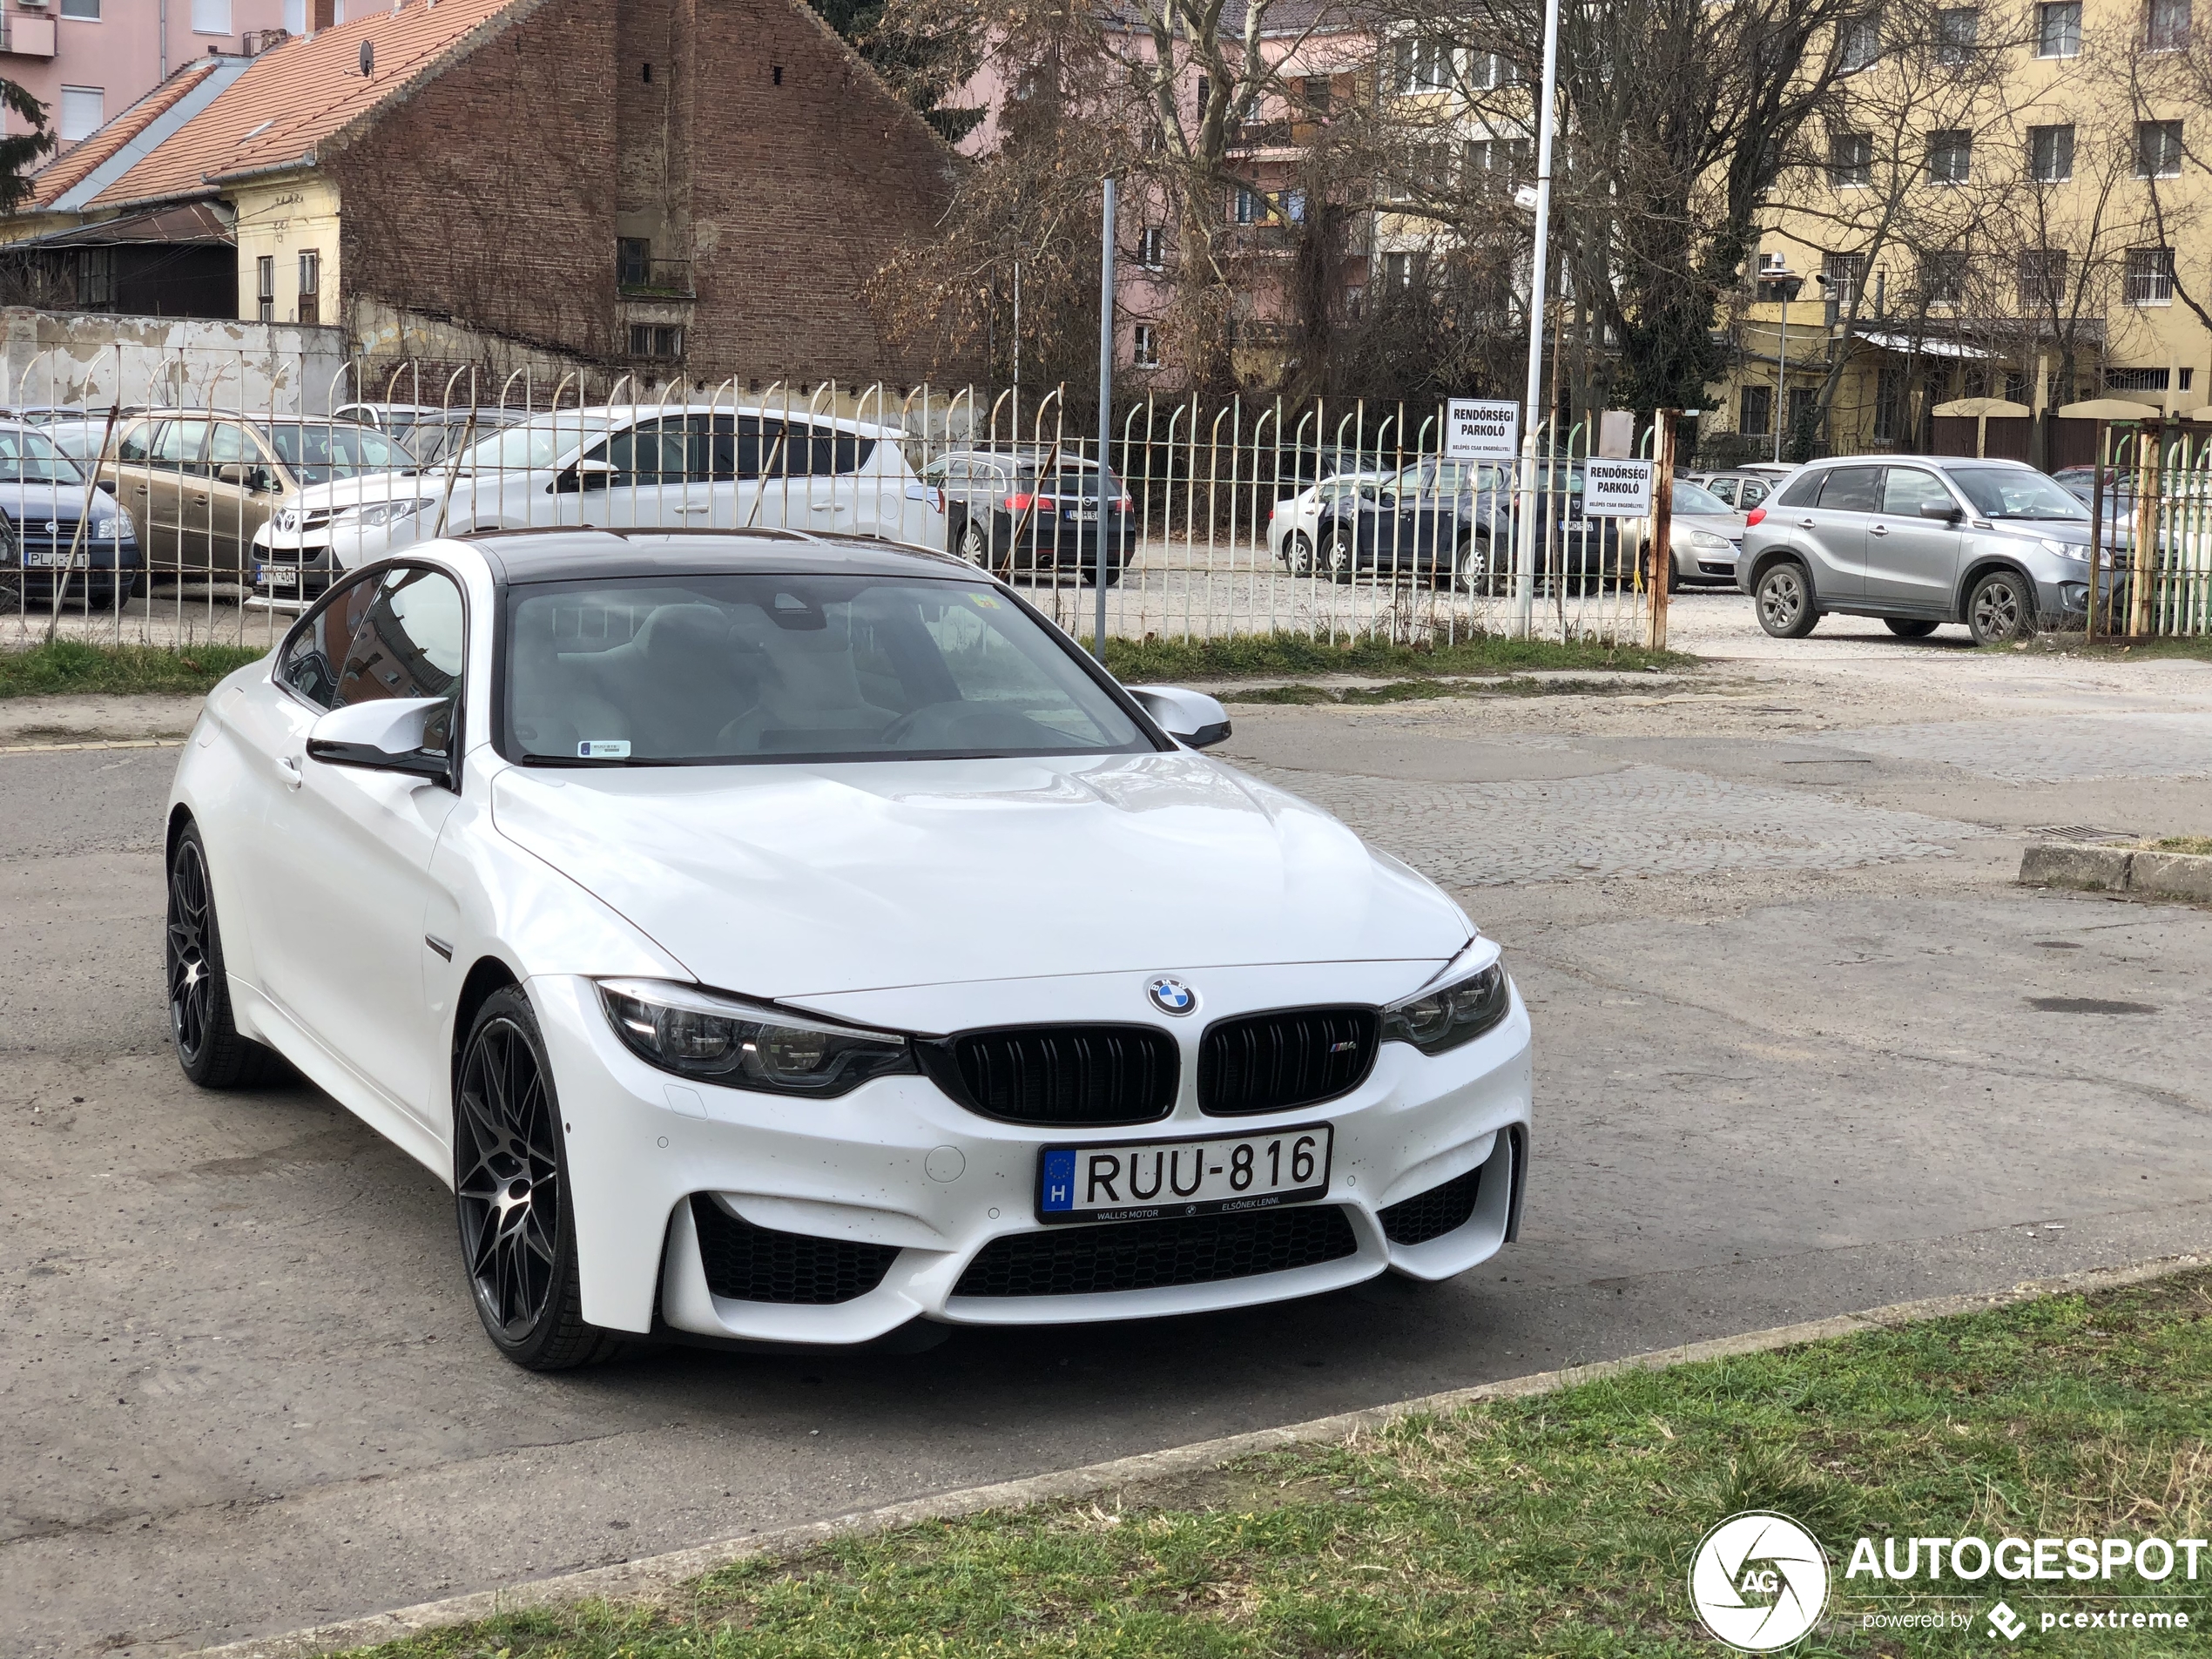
368, 58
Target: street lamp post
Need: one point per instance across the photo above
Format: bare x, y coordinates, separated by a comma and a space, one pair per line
1789, 282
1524, 556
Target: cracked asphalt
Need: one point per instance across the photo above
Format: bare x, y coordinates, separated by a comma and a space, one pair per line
1789, 1063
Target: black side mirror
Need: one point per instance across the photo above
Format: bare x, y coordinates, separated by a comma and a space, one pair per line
1947, 511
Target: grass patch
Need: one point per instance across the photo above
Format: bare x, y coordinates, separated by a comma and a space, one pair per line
2194, 648
2199, 845
1429, 689
66, 667
1255, 656
1560, 1526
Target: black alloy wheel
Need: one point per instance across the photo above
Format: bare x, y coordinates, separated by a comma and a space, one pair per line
209, 1048
2001, 609
510, 1191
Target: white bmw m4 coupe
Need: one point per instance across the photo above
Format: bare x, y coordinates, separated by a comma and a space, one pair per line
782, 939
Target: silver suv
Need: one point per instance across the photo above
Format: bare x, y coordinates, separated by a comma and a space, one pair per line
1918, 541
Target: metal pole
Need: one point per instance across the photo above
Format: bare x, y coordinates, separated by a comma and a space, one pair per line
1524, 556
1782, 373
1105, 519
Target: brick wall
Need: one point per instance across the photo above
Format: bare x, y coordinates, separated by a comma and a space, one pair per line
494, 193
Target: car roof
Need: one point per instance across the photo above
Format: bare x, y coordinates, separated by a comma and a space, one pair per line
583, 555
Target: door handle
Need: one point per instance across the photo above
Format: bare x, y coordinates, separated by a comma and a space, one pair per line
821, 507
137, 489
700, 507
289, 765
1806, 525
1879, 529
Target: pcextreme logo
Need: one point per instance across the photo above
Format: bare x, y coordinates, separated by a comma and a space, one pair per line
1759, 1581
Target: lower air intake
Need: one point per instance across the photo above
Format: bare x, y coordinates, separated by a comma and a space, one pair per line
1431, 1214
1152, 1255
750, 1264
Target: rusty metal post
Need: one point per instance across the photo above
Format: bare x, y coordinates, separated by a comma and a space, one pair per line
2145, 535
1662, 524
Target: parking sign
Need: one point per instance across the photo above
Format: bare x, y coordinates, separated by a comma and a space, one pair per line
1616, 488
1480, 429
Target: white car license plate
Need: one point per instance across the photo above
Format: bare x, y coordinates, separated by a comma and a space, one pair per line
275, 576
39, 558
1083, 512
1138, 1180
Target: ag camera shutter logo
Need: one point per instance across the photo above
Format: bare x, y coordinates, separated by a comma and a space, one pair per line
1759, 1581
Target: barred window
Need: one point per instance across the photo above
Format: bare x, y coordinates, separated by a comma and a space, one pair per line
2041, 276
2149, 279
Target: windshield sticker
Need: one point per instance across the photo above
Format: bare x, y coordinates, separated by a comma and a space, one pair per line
984, 602
603, 749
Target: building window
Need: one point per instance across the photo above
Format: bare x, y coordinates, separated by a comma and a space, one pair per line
88, 9
2042, 278
96, 289
2058, 30
1851, 160
2165, 26
1146, 345
1317, 92
1400, 270
310, 286
2158, 149
211, 17
656, 339
1247, 207
633, 261
2138, 380
1845, 275
2050, 154
1773, 277
1205, 94
265, 287
1951, 155
1424, 63
1152, 246
1943, 279
1858, 42
1755, 409
83, 113
1508, 157
2150, 276
1956, 28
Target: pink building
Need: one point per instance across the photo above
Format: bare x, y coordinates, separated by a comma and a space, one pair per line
89, 60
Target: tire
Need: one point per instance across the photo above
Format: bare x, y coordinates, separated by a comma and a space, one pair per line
2001, 609
209, 1048
1783, 597
1472, 570
1299, 555
1339, 553
1909, 627
974, 545
510, 1194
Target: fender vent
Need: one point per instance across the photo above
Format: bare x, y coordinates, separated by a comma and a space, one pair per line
1431, 1214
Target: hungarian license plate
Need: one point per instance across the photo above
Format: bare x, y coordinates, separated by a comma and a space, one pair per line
1140, 1180
273, 575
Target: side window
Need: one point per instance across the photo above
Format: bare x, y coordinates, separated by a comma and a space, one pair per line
1803, 490
1724, 488
410, 643
230, 442
1852, 489
1754, 492
313, 655
182, 447
136, 441
1905, 488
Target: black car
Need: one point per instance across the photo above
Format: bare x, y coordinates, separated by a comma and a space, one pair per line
1444, 520
1005, 512
44, 528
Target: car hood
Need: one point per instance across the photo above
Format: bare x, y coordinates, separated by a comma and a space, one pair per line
1727, 524
792, 881
63, 502
341, 492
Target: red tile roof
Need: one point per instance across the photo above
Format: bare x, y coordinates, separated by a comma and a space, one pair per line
70, 166
297, 97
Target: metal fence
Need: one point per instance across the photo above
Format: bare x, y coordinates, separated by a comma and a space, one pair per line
2151, 534
221, 503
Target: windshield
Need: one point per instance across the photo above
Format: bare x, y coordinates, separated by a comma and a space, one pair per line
532, 444
317, 451
30, 458
2003, 492
1696, 498
1073, 483
707, 670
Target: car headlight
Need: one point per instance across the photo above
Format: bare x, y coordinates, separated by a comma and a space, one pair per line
1446, 1015
2058, 549
1707, 541
725, 1040
367, 514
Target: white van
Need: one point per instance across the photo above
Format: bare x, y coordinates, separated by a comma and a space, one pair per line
624, 467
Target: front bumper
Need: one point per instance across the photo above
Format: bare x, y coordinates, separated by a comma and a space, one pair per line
898, 1169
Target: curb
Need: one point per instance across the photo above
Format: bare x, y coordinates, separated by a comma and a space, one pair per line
654, 1579
2185, 877
98, 743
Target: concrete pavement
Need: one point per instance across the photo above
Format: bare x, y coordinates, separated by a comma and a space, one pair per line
1790, 1064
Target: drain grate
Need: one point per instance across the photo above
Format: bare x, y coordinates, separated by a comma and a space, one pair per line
2081, 834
